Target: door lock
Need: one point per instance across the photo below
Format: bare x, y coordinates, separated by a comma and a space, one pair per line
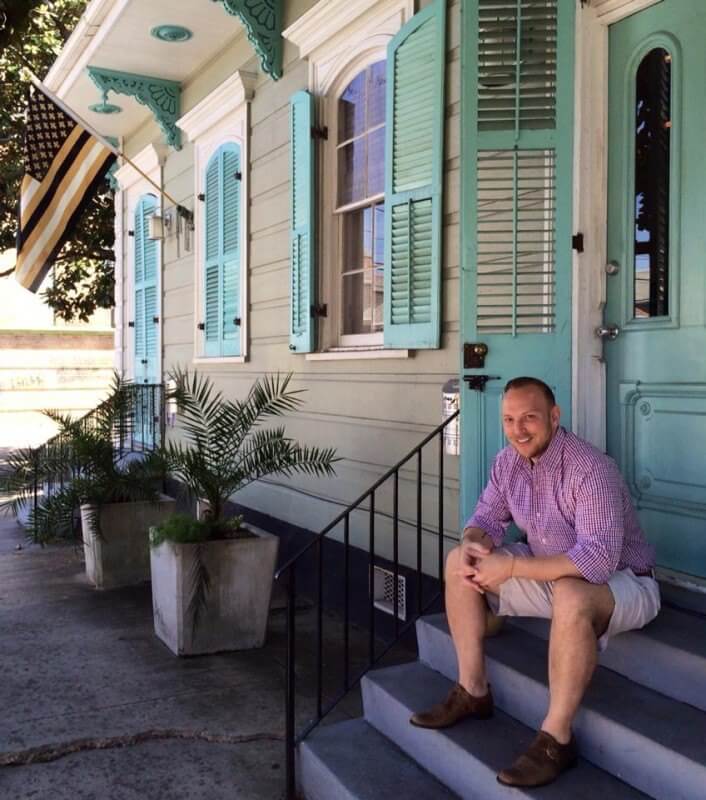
477, 382
612, 268
607, 332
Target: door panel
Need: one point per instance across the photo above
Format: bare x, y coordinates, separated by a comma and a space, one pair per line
516, 212
656, 366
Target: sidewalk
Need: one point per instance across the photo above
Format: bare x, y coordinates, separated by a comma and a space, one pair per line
79, 665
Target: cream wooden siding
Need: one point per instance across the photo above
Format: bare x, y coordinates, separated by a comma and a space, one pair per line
372, 411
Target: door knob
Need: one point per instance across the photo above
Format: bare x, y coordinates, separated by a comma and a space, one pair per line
607, 331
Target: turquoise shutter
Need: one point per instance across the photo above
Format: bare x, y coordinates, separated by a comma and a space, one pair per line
231, 316
139, 321
302, 228
414, 180
146, 300
519, 152
222, 310
149, 206
212, 267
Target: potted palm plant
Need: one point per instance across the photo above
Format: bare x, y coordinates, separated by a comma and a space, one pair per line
212, 576
83, 470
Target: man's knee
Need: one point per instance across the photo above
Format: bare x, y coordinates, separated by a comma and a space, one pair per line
576, 599
453, 562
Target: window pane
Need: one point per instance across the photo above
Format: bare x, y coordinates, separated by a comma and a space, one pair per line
376, 94
376, 162
357, 303
351, 109
652, 149
351, 172
378, 307
357, 239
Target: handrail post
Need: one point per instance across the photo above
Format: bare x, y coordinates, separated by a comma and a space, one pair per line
290, 688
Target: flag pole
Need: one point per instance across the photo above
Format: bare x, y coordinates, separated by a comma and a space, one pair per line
185, 212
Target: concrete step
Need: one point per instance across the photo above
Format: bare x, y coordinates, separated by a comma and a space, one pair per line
352, 761
669, 655
468, 756
651, 741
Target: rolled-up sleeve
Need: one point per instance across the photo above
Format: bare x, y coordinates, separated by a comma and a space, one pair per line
600, 526
492, 513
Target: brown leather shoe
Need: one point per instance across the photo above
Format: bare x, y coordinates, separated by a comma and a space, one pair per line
457, 706
542, 763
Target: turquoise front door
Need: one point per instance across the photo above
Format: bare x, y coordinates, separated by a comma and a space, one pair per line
654, 328
516, 249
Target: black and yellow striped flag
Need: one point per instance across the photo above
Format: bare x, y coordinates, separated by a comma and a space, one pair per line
64, 164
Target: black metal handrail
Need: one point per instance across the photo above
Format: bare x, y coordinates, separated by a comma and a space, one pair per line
287, 574
140, 428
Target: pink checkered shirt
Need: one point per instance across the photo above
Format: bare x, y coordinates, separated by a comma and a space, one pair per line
572, 501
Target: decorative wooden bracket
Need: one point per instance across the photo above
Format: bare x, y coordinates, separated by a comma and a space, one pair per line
162, 97
263, 22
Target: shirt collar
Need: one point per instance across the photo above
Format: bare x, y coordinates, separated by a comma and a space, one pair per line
551, 457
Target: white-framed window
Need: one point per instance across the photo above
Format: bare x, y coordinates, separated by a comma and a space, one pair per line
218, 127
358, 207
139, 301
366, 180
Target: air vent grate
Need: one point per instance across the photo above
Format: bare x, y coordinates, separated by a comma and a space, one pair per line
384, 592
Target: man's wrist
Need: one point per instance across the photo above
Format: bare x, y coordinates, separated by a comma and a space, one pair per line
472, 534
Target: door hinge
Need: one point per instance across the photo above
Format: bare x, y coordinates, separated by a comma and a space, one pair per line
319, 311
577, 242
319, 133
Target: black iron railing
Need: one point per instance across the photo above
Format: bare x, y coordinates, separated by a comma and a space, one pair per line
139, 427
287, 574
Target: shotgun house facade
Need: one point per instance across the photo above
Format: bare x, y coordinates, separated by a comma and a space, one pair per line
382, 195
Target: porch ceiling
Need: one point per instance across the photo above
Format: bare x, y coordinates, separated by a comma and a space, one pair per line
115, 34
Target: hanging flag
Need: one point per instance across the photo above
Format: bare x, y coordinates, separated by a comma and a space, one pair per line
64, 164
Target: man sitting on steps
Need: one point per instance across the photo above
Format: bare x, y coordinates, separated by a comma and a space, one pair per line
586, 565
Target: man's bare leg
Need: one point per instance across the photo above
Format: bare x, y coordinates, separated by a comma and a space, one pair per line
581, 613
466, 611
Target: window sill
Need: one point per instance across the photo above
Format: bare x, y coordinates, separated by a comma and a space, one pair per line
220, 360
349, 353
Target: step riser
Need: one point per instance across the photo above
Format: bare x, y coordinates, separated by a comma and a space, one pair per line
470, 778
668, 670
316, 781
625, 753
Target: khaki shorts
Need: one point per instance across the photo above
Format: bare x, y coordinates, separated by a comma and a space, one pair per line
636, 598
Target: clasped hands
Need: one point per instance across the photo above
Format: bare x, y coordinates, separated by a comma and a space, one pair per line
482, 568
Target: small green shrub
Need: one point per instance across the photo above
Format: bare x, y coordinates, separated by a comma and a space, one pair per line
181, 528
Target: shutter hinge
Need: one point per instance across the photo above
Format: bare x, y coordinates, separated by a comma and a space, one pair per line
238, 176
131, 233
319, 311
577, 242
155, 320
319, 133
201, 326
131, 324
201, 197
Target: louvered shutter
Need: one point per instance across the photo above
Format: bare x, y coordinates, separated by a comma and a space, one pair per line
230, 246
518, 213
302, 228
151, 264
222, 276
212, 266
414, 180
145, 298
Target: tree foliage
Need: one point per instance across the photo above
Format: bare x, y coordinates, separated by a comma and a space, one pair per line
32, 33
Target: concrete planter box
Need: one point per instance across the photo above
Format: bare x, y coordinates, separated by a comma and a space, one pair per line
120, 556
238, 601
